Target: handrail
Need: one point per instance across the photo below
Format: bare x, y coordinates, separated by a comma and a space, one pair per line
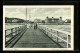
57, 30
49, 30
13, 33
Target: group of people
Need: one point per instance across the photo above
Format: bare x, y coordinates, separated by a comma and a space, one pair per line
34, 25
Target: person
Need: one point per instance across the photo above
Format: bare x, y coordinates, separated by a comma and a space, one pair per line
35, 25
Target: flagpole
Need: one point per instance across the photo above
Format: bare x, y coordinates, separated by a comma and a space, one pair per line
29, 17
26, 16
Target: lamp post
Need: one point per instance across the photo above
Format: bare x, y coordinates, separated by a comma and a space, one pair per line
26, 16
29, 18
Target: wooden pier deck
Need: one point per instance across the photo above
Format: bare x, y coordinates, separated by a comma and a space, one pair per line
35, 39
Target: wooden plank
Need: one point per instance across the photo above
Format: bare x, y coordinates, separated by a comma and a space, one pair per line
35, 38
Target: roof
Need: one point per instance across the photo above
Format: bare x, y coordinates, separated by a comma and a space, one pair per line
68, 19
53, 18
56, 18
50, 18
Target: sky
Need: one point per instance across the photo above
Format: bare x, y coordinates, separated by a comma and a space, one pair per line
39, 13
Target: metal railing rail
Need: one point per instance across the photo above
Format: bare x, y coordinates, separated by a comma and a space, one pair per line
49, 32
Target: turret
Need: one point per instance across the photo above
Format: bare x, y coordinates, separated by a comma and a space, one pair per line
47, 17
60, 18
52, 17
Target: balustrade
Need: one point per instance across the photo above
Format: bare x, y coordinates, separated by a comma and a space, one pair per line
60, 38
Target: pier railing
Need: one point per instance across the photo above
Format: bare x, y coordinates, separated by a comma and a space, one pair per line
13, 33
61, 37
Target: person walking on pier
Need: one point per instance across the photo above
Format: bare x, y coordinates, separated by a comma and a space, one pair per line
35, 25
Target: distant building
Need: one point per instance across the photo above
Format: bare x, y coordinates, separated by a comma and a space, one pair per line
13, 20
38, 20
43, 21
53, 20
68, 21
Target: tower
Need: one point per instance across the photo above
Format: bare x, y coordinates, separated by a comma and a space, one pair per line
46, 20
47, 17
52, 19
60, 19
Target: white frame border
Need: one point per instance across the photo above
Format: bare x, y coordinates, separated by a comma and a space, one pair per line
40, 6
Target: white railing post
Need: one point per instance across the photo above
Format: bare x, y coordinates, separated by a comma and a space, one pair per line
15, 30
51, 32
12, 32
57, 37
46, 30
69, 43
5, 35
67, 40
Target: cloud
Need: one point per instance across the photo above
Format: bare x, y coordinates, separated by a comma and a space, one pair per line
65, 13
15, 14
47, 13
62, 12
33, 10
40, 13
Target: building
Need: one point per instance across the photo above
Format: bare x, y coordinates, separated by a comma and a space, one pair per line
13, 20
68, 21
38, 20
53, 20
43, 21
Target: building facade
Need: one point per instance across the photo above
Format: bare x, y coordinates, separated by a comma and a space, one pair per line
13, 20
53, 20
38, 20
67, 21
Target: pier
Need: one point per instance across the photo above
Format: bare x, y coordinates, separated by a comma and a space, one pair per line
42, 37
